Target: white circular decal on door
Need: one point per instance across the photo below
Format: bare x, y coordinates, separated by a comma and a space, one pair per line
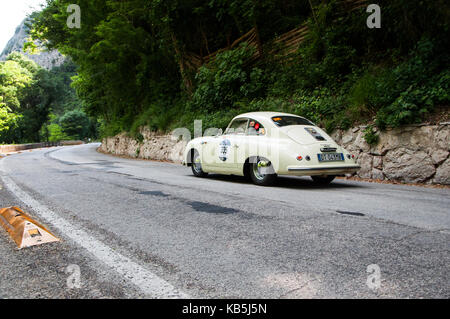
224, 150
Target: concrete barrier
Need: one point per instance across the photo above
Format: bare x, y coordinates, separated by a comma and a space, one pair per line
75, 142
23, 147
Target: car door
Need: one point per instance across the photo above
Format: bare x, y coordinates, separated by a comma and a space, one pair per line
255, 140
228, 145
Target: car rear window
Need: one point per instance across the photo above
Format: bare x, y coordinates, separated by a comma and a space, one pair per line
290, 120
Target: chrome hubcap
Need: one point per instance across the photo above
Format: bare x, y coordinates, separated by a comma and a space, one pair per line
197, 163
259, 168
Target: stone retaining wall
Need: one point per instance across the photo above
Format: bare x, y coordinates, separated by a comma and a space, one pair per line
154, 146
411, 154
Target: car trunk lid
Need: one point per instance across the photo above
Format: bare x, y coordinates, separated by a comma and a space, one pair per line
306, 134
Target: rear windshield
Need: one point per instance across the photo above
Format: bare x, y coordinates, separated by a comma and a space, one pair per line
290, 120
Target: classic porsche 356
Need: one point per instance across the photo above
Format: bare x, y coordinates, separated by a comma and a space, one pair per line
262, 145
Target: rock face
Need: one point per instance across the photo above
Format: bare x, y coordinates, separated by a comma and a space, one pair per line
443, 173
46, 59
408, 165
412, 154
153, 146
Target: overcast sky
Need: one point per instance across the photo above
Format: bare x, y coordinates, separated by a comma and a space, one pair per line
12, 12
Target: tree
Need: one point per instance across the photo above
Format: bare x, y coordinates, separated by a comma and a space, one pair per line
7, 118
15, 75
75, 124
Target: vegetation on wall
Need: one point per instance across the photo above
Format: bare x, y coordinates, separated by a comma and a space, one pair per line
133, 70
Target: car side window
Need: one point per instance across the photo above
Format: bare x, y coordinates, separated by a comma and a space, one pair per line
255, 128
237, 127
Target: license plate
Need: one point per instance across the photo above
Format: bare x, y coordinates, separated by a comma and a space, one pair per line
330, 157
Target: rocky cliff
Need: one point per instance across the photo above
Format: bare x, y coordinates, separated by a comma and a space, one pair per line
46, 59
411, 154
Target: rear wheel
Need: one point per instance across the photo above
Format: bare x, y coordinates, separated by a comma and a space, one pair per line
197, 165
261, 172
323, 180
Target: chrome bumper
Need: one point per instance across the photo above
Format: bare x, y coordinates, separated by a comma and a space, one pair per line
329, 170
345, 168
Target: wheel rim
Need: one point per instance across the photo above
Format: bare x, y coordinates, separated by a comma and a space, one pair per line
197, 163
257, 167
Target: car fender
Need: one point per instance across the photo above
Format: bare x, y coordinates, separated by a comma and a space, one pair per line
199, 144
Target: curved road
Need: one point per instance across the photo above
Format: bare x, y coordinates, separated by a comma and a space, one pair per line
136, 226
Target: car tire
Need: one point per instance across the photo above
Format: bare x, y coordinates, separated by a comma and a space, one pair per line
323, 180
261, 175
196, 165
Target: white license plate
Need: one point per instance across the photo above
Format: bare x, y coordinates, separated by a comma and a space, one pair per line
330, 157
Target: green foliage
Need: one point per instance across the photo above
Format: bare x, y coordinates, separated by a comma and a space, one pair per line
75, 124
55, 133
16, 75
132, 62
13, 79
226, 80
7, 118
412, 89
370, 135
28, 94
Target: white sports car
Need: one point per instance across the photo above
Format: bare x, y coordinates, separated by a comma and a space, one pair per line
262, 145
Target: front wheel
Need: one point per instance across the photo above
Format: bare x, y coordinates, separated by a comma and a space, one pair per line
261, 172
323, 180
197, 165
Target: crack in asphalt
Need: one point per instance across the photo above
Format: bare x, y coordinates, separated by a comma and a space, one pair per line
343, 212
211, 208
296, 289
154, 193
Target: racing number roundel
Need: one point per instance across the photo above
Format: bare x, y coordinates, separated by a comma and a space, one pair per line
224, 150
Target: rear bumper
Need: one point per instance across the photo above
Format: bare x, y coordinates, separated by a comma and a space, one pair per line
326, 170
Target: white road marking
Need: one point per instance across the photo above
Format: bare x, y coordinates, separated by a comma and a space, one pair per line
152, 285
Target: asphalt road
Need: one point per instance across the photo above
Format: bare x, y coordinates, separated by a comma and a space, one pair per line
150, 229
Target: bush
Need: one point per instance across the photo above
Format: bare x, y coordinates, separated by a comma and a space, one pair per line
226, 80
370, 135
75, 124
158, 116
55, 133
413, 88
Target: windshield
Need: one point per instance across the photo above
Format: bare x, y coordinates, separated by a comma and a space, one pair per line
238, 126
290, 120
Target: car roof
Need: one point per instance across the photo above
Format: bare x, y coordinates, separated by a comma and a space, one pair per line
264, 116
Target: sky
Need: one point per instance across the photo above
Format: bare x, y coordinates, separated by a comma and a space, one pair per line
12, 12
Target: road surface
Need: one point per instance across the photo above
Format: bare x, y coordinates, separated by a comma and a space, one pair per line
150, 229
